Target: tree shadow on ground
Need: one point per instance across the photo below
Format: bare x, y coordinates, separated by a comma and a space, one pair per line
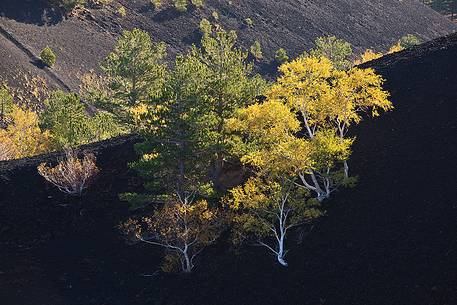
30, 11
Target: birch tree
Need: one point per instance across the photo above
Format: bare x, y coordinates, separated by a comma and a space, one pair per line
182, 227
328, 102
270, 204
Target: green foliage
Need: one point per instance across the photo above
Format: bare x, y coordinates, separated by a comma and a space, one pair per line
66, 118
121, 11
230, 85
205, 26
178, 165
337, 50
187, 118
48, 56
249, 22
197, 3
135, 73
256, 50
281, 56
180, 5
157, 4
409, 41
6, 104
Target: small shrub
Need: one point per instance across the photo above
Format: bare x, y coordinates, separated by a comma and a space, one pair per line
180, 5
256, 50
215, 15
409, 41
157, 4
71, 175
6, 105
48, 56
249, 22
197, 3
121, 11
5, 152
281, 56
205, 26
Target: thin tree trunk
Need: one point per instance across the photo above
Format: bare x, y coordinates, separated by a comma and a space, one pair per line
346, 169
321, 194
281, 251
187, 267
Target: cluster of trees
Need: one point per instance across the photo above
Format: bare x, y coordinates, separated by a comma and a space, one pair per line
200, 117
208, 113
63, 123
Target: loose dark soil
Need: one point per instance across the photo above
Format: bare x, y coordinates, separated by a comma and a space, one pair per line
390, 240
83, 40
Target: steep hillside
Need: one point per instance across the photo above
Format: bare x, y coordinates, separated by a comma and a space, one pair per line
85, 38
391, 240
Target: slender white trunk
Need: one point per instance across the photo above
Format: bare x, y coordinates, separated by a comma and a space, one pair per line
187, 264
281, 251
321, 194
346, 169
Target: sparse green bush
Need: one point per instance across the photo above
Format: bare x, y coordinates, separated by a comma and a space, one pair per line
6, 104
281, 56
180, 5
157, 4
69, 124
249, 22
205, 26
256, 50
337, 50
121, 11
215, 15
409, 41
197, 3
48, 56
65, 117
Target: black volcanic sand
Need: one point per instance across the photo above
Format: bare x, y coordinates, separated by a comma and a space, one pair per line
82, 41
391, 240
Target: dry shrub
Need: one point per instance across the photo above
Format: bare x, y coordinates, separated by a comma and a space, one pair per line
71, 175
5, 151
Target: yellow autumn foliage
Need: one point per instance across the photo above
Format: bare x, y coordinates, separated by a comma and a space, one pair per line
23, 136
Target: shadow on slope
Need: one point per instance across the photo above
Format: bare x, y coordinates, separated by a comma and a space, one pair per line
30, 11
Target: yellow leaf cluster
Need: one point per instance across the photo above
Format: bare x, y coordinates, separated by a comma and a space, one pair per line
23, 136
304, 86
367, 56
